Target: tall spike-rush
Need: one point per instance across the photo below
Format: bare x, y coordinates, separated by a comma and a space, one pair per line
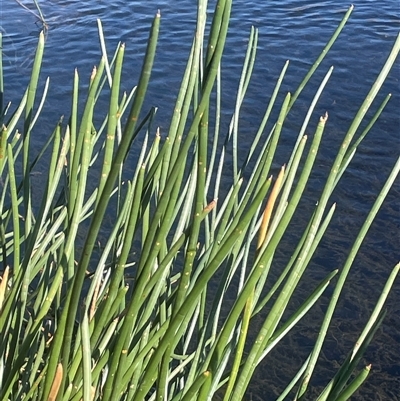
149, 321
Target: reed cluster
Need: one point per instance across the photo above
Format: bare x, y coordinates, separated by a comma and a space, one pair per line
131, 310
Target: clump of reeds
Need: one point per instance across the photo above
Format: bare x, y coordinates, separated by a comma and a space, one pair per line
74, 327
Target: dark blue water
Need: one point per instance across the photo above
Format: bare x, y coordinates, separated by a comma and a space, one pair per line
295, 30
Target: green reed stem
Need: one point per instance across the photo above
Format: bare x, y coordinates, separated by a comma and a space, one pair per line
368, 100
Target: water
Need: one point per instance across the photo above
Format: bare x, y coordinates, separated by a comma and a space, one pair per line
295, 30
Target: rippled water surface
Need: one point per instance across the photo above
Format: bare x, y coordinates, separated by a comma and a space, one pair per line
294, 30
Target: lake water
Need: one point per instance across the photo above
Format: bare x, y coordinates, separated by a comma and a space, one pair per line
295, 30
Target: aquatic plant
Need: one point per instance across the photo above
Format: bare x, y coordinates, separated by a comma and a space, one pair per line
122, 289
